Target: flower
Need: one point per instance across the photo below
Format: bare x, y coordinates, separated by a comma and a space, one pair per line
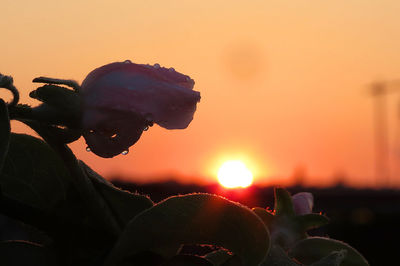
303, 203
122, 99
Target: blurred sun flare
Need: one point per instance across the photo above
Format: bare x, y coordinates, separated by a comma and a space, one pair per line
234, 174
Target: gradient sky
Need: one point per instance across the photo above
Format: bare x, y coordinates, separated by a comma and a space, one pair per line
283, 83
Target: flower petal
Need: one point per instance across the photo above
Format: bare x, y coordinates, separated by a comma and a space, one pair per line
110, 133
159, 94
303, 203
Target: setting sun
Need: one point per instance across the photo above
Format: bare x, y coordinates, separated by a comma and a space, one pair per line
234, 174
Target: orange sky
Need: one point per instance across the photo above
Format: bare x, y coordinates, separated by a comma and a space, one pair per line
283, 83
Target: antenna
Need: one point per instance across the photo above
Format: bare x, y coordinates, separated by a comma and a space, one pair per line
379, 90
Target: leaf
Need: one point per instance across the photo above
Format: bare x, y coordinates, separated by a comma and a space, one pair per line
18, 253
233, 261
310, 221
194, 219
124, 204
277, 256
62, 135
146, 258
33, 173
187, 260
4, 132
312, 249
218, 257
283, 203
333, 259
57, 96
266, 216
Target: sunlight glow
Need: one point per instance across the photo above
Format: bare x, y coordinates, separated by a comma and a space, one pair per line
234, 174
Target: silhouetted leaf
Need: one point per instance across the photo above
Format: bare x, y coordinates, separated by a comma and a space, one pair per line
283, 203
195, 219
124, 204
310, 221
60, 134
20, 253
218, 257
33, 173
266, 216
187, 260
4, 132
278, 257
57, 96
145, 258
313, 249
233, 261
333, 259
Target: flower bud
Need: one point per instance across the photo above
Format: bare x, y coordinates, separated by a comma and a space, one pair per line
303, 203
122, 99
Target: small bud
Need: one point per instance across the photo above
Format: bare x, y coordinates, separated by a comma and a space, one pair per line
5, 81
303, 203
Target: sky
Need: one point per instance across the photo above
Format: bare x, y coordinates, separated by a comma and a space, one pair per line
284, 84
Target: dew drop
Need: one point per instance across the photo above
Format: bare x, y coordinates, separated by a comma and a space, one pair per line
125, 152
171, 69
128, 62
146, 128
91, 131
88, 149
156, 66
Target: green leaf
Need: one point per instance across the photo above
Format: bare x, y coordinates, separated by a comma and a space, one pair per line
283, 203
194, 219
33, 173
18, 253
277, 256
333, 259
123, 204
266, 216
187, 260
4, 132
312, 249
310, 221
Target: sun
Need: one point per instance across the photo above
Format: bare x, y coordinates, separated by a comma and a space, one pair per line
234, 174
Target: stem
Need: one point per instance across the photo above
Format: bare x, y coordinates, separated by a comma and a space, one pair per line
6, 82
15, 93
96, 204
21, 112
43, 113
99, 209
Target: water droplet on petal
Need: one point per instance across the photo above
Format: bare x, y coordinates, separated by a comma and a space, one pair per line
171, 69
91, 131
146, 128
128, 62
88, 149
156, 66
125, 152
